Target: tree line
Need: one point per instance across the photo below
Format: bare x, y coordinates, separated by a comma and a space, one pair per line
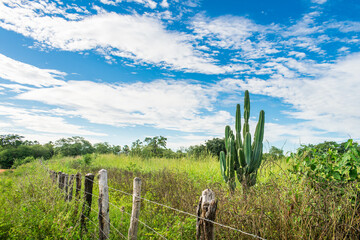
14, 150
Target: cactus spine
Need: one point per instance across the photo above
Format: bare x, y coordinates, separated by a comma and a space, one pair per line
242, 158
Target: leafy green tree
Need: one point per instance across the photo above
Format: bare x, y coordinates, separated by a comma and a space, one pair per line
10, 140
116, 149
197, 151
73, 146
215, 146
126, 150
276, 152
103, 148
156, 145
136, 148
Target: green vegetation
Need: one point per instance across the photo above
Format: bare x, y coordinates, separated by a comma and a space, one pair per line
312, 194
241, 156
284, 204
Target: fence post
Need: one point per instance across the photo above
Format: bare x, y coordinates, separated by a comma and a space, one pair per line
88, 187
206, 209
66, 185
59, 179
104, 221
78, 185
77, 192
135, 209
71, 187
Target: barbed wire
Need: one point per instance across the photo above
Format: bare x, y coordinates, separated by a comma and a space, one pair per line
190, 214
180, 211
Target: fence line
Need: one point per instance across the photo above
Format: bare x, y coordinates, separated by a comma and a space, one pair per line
169, 207
190, 214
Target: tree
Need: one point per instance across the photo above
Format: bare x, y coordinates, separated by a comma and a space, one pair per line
10, 140
126, 150
276, 152
103, 148
215, 146
156, 145
73, 146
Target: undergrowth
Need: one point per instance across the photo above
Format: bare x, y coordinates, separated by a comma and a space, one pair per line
280, 206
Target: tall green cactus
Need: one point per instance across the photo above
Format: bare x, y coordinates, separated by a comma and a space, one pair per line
242, 157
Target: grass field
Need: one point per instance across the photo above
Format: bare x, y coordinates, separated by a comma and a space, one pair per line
279, 206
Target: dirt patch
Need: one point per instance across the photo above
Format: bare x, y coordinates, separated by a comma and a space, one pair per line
3, 170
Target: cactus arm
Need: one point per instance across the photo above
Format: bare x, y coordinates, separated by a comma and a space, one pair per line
246, 127
223, 165
247, 148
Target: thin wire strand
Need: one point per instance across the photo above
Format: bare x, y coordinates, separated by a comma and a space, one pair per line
134, 218
82, 201
190, 214
122, 210
181, 211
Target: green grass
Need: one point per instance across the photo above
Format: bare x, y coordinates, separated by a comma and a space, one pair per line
279, 206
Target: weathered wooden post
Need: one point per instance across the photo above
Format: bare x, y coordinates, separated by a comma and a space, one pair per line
104, 220
78, 185
77, 192
88, 187
59, 176
206, 210
132, 235
66, 185
71, 187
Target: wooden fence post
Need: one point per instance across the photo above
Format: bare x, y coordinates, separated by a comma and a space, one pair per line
77, 192
66, 185
206, 209
104, 221
71, 187
132, 235
78, 185
59, 176
88, 187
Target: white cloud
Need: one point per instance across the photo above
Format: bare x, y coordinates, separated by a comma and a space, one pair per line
329, 103
147, 3
319, 1
140, 38
161, 104
23, 73
38, 121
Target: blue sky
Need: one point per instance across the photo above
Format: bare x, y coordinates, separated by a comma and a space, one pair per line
121, 70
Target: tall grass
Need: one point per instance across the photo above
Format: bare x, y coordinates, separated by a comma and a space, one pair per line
279, 206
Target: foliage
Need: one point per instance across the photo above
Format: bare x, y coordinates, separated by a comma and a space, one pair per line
11, 154
87, 158
215, 146
20, 161
241, 156
328, 166
10, 140
73, 146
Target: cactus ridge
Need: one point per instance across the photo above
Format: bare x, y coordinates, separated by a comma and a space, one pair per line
242, 158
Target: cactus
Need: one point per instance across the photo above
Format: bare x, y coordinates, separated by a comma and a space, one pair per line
242, 158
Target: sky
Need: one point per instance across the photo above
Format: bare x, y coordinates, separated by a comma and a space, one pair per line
120, 70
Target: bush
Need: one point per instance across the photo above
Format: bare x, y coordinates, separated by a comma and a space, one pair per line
330, 165
87, 159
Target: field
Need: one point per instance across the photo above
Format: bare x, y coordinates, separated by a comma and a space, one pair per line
280, 206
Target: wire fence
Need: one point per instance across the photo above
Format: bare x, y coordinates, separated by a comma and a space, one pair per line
162, 205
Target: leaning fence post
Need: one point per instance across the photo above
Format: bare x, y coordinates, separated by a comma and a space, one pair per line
104, 221
206, 210
135, 209
88, 187
71, 186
